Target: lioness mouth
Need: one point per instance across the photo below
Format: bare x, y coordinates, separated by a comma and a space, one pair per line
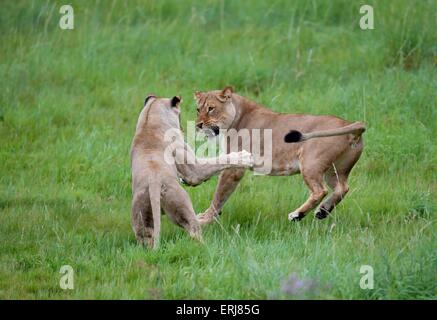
212, 131
216, 130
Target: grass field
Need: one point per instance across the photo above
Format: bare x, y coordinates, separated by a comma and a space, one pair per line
69, 102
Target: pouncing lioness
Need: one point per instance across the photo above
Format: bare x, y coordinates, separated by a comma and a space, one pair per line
159, 157
328, 158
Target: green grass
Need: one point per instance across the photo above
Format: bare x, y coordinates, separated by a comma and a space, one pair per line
69, 101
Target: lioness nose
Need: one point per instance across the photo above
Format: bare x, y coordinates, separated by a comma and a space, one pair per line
199, 125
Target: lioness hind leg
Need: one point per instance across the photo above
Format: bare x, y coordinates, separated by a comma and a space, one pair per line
338, 182
314, 181
177, 204
142, 219
336, 177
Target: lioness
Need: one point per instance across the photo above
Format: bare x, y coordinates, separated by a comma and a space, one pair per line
330, 158
159, 155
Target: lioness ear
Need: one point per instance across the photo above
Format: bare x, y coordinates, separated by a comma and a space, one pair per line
176, 101
150, 96
198, 95
226, 93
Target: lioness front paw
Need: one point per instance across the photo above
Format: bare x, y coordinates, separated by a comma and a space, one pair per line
205, 219
245, 158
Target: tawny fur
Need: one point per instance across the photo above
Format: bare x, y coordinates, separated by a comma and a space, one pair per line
326, 148
155, 179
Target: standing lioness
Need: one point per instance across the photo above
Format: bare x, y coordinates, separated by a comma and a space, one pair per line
159, 156
330, 158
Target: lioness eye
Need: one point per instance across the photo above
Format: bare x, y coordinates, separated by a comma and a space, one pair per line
198, 110
210, 109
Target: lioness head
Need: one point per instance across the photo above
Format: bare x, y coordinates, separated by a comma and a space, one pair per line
171, 107
215, 111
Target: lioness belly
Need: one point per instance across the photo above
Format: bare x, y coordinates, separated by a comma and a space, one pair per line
289, 168
276, 167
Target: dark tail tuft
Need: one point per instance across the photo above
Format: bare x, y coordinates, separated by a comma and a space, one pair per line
293, 136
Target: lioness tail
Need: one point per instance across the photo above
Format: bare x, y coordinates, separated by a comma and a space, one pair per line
356, 128
155, 203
